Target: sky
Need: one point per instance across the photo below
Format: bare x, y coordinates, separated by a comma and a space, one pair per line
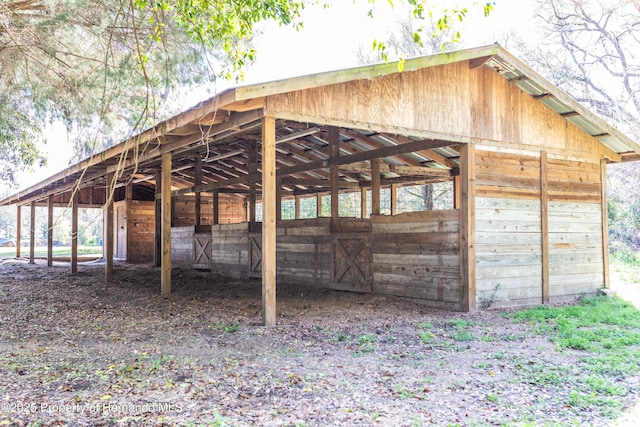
328, 41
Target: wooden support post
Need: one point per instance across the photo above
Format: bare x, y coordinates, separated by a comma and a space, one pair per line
197, 171
334, 153
165, 263
467, 227
50, 230
318, 205
18, 230
363, 202
32, 234
157, 232
253, 170
278, 198
394, 199
297, 206
456, 192
216, 206
268, 221
375, 187
544, 226
128, 191
606, 279
107, 248
74, 229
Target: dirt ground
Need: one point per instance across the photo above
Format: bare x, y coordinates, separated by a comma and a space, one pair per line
75, 351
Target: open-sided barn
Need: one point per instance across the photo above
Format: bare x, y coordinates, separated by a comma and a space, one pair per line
527, 222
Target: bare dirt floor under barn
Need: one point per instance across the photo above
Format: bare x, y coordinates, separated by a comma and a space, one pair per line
78, 352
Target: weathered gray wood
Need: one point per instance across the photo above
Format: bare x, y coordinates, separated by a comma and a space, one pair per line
32, 233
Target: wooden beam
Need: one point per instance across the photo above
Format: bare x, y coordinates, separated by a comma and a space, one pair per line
394, 199
253, 171
108, 227
165, 264
278, 199
456, 192
18, 229
74, 230
375, 187
296, 206
216, 207
319, 183
197, 180
157, 229
363, 202
544, 224
606, 279
50, 230
32, 233
420, 171
268, 221
319, 205
467, 227
334, 153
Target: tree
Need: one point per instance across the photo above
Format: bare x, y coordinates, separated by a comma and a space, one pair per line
107, 68
591, 51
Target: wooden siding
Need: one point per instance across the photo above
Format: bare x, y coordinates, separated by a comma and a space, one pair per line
231, 210
508, 252
510, 248
451, 101
507, 175
575, 249
417, 255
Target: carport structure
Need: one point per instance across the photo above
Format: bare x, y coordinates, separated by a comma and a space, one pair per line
527, 163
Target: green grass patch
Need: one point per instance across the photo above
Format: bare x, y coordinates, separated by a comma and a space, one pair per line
58, 251
607, 330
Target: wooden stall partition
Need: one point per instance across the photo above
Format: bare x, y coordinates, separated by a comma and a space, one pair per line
303, 251
229, 249
182, 247
417, 255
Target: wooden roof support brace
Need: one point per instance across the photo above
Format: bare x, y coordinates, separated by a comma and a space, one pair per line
165, 262
268, 221
32, 233
50, 230
108, 229
74, 229
375, 187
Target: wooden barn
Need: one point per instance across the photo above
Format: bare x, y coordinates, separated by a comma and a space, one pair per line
526, 222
